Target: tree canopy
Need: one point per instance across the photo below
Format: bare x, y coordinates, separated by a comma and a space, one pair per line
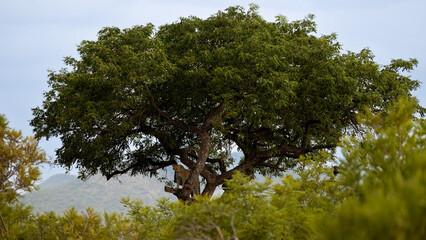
19, 160
143, 98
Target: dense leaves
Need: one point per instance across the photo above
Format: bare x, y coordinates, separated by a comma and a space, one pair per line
253, 210
140, 99
19, 160
384, 175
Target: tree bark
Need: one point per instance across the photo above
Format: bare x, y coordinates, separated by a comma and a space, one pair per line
210, 188
199, 166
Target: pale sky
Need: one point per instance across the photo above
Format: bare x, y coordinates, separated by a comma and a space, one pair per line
35, 35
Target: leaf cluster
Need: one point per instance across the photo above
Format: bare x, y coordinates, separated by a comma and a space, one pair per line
383, 175
19, 160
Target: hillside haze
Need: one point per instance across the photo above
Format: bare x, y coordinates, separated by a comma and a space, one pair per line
63, 191
57, 180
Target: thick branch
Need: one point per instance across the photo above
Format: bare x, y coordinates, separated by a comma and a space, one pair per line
159, 165
199, 167
269, 165
184, 157
248, 162
293, 152
209, 188
308, 125
171, 190
221, 163
208, 122
260, 156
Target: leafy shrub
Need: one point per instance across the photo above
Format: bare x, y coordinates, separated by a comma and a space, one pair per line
248, 209
384, 175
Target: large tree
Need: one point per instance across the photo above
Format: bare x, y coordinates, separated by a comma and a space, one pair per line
141, 99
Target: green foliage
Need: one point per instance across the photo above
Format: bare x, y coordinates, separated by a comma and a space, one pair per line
17, 220
154, 222
140, 98
321, 192
254, 210
87, 225
384, 176
19, 160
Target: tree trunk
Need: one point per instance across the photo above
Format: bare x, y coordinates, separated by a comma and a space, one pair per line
199, 166
210, 188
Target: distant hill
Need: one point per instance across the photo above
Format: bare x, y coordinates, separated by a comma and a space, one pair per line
63, 191
57, 180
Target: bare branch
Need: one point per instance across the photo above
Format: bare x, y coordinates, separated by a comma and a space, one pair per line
159, 165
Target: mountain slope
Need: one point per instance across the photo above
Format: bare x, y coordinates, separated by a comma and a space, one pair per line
57, 180
62, 191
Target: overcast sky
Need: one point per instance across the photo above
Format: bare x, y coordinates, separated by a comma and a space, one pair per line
35, 35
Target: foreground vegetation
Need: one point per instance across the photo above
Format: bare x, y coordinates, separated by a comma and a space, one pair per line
378, 194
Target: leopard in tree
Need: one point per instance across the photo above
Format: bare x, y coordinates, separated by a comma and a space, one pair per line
181, 175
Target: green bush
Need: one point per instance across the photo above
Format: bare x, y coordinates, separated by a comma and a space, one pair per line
19, 160
384, 176
248, 209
